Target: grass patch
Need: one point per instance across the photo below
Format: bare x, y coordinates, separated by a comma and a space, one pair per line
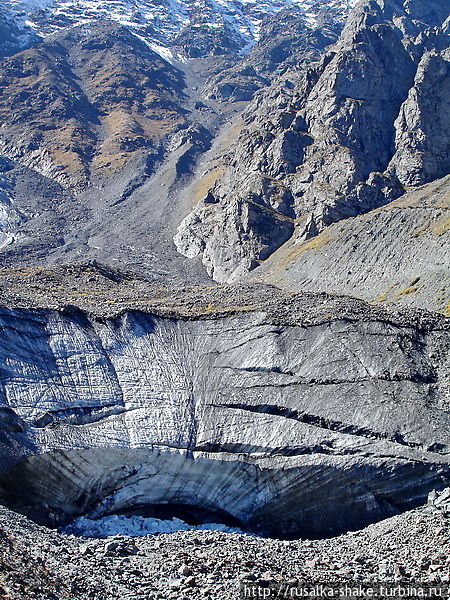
409, 290
383, 297
207, 182
442, 227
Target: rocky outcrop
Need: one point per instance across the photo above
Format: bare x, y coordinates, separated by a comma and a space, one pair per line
334, 141
441, 500
10, 217
320, 417
423, 126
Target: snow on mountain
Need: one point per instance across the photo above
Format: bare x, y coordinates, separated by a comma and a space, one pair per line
163, 20
15, 35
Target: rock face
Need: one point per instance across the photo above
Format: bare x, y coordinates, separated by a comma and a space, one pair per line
423, 142
291, 426
332, 141
116, 113
10, 217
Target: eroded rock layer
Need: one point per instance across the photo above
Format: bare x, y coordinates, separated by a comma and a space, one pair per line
303, 426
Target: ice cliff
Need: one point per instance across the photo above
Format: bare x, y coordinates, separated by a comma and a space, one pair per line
285, 426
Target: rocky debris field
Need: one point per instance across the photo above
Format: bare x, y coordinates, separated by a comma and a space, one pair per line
39, 563
105, 293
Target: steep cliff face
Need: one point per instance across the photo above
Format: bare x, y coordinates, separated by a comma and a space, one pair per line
323, 420
336, 140
422, 127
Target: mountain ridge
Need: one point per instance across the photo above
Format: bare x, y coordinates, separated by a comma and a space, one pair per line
239, 21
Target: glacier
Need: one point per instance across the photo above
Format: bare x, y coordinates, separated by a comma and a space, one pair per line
283, 428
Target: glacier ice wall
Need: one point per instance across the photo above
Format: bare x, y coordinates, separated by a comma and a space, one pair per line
304, 430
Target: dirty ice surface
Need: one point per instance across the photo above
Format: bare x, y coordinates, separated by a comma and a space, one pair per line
132, 525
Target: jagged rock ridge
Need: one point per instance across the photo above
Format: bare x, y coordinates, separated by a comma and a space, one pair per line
331, 142
196, 28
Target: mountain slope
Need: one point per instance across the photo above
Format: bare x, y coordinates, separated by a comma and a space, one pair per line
336, 140
85, 101
397, 254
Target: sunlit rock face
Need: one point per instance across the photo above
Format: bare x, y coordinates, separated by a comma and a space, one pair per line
347, 135
299, 430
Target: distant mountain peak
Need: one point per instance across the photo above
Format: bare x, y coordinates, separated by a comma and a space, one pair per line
163, 20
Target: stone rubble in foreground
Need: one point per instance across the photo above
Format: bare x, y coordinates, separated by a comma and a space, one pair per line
38, 563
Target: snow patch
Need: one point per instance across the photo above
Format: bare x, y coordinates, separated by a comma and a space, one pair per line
163, 52
30, 5
160, 22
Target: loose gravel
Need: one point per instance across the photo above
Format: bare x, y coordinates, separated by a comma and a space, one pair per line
39, 563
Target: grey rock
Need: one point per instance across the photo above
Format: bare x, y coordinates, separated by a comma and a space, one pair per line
423, 125
85, 549
331, 141
111, 547
440, 500
248, 576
